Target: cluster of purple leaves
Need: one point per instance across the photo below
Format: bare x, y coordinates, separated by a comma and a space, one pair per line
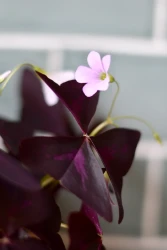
78, 162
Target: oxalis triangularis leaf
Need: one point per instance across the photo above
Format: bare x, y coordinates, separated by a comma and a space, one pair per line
25, 205
72, 159
84, 230
35, 114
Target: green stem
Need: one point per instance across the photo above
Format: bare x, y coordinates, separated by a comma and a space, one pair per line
115, 125
63, 225
155, 135
102, 125
99, 128
134, 118
46, 181
35, 68
114, 100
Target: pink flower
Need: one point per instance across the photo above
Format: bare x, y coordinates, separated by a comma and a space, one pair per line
96, 77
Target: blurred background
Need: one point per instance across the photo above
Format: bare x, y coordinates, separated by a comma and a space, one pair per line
57, 35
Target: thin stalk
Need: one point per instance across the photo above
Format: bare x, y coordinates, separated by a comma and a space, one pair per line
102, 125
63, 225
134, 118
47, 181
35, 68
154, 133
99, 128
114, 100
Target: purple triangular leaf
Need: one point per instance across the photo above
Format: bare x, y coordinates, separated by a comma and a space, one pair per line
116, 148
92, 215
12, 171
24, 203
82, 232
47, 230
50, 155
85, 179
71, 94
50, 225
35, 114
12, 134
72, 161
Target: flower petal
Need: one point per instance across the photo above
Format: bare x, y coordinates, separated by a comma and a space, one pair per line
89, 89
95, 62
84, 74
106, 60
103, 85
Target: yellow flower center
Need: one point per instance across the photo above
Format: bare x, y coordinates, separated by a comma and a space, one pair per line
103, 76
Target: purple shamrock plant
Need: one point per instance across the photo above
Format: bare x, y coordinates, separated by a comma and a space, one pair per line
75, 160
83, 164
